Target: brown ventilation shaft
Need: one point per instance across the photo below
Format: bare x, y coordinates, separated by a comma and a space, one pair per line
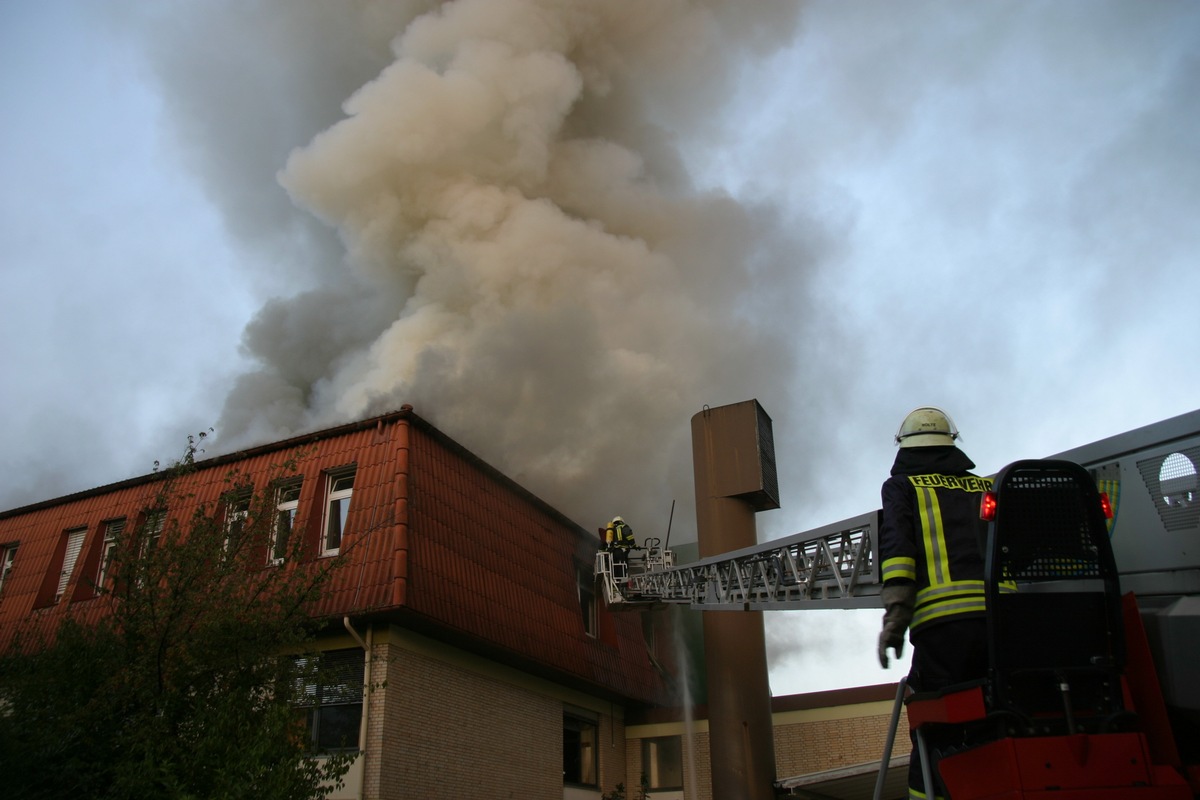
733, 455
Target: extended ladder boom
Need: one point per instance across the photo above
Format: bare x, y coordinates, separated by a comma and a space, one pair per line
836, 566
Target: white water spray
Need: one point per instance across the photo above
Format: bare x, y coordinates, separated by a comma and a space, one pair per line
684, 660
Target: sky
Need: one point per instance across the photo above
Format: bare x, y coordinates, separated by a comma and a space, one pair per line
560, 229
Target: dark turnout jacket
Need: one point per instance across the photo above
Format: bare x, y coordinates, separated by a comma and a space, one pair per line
931, 533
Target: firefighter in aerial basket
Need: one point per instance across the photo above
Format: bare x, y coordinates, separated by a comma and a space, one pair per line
618, 539
931, 549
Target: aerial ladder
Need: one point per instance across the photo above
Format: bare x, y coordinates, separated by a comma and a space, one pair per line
836, 566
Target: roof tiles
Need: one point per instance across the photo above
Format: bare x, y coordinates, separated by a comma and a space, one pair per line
434, 535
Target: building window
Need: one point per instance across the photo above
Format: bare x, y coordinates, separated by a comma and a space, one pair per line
74, 546
580, 735
152, 529
237, 511
112, 532
330, 691
287, 501
662, 762
341, 487
7, 556
649, 633
585, 584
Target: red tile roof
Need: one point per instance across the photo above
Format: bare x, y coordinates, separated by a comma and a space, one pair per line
435, 539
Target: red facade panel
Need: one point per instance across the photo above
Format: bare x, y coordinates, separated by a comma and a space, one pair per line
509, 564
432, 536
365, 580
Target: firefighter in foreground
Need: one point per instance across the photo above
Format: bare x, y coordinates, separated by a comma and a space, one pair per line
618, 539
932, 555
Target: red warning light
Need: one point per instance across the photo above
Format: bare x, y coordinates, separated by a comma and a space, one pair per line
1106, 505
987, 506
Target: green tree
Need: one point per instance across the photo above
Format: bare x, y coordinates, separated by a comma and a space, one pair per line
187, 687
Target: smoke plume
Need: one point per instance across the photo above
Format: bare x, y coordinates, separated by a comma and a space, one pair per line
525, 255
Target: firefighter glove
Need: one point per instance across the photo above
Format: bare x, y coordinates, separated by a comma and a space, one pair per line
898, 603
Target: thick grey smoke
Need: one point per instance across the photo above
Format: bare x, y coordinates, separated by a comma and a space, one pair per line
998, 209
525, 257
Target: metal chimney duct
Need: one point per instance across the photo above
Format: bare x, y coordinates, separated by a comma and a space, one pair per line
733, 456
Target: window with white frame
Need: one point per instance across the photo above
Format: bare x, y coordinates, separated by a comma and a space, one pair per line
662, 762
287, 501
237, 511
330, 696
112, 532
337, 507
580, 751
74, 546
8, 555
152, 529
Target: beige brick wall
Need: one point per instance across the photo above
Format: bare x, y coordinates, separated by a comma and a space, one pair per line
612, 751
805, 742
447, 732
805, 746
444, 724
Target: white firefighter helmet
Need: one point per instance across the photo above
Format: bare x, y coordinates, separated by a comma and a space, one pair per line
925, 427
617, 520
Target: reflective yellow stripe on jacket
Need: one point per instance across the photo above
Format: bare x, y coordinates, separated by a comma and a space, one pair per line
934, 537
954, 597
900, 567
942, 595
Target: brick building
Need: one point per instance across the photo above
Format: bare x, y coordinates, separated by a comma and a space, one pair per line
465, 606
827, 745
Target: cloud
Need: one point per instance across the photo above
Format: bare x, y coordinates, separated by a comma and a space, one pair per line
524, 255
